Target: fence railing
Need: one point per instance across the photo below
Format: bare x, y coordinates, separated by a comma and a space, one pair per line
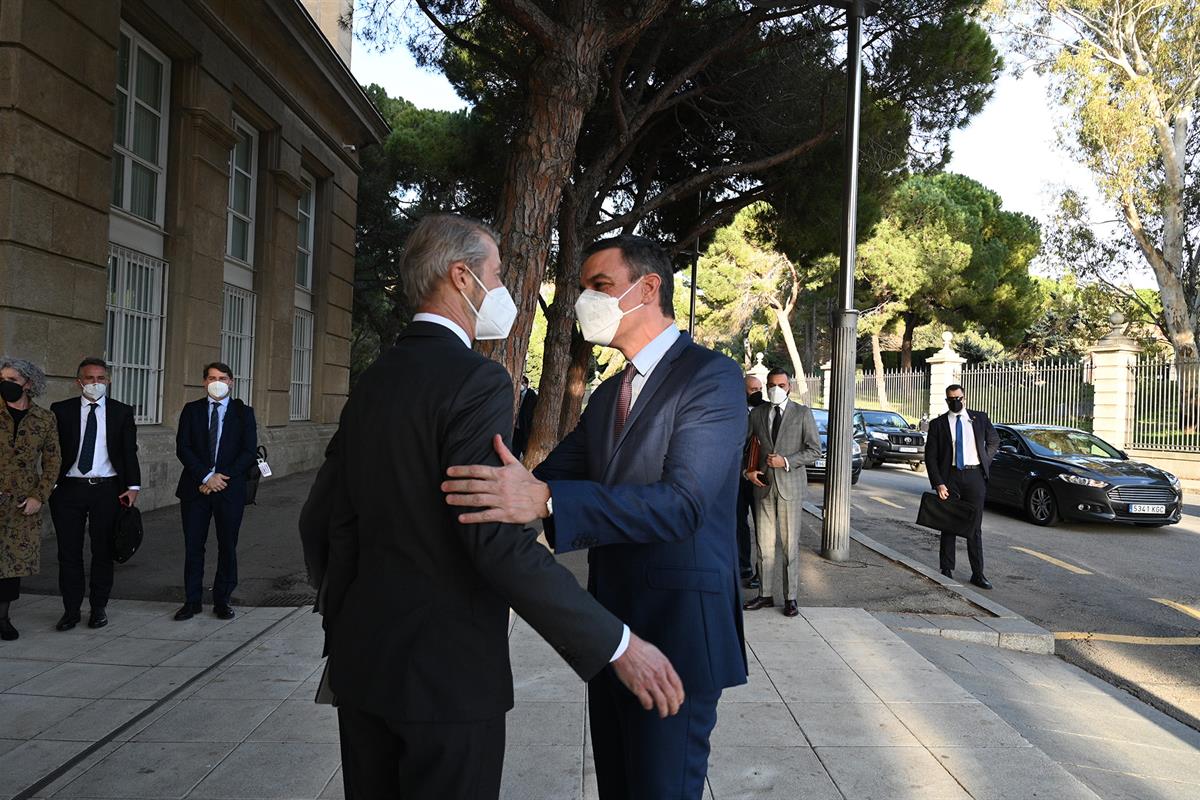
816, 393
905, 391
1031, 392
1165, 405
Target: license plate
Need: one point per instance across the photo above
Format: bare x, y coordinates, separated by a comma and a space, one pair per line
908, 449
819, 463
1147, 509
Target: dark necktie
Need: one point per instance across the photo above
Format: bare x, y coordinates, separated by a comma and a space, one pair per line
87, 453
959, 458
623, 396
775, 425
214, 423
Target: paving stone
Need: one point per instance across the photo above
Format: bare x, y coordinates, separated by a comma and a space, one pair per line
741, 724
300, 721
532, 723
914, 686
78, 680
139, 770
50, 645
1107, 754
769, 773
270, 770
904, 620
28, 763
822, 686
193, 630
336, 788
851, 725
889, 773
253, 683
990, 773
196, 720
812, 654
1120, 786
204, 653
129, 651
82, 763
957, 725
894, 654
16, 671
95, 720
757, 689
542, 773
156, 683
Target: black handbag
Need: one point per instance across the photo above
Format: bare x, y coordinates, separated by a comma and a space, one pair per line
254, 475
951, 515
127, 534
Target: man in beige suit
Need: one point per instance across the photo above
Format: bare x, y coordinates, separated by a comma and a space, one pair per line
788, 439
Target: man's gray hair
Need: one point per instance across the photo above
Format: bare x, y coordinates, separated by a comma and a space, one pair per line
27, 370
437, 242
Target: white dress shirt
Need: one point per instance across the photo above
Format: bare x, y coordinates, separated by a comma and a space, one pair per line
647, 359
222, 407
102, 466
438, 319
970, 452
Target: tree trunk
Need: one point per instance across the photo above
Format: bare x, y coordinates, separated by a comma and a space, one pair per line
785, 327
578, 376
880, 381
910, 326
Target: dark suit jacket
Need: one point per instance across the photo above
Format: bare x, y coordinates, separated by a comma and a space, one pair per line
939, 449
120, 436
657, 509
420, 633
524, 421
236, 451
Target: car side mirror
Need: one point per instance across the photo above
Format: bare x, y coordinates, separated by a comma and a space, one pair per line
1124, 456
1008, 448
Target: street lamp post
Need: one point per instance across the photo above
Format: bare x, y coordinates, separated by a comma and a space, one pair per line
835, 531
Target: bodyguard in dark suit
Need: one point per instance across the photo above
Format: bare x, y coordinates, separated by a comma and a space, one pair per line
747, 560
417, 627
958, 460
525, 407
217, 443
98, 440
647, 482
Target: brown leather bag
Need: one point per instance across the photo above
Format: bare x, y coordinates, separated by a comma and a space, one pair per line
753, 454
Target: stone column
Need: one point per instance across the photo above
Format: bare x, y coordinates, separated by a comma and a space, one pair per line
1112, 358
945, 368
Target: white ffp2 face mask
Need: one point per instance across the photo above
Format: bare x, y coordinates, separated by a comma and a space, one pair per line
217, 390
600, 314
777, 395
496, 314
94, 391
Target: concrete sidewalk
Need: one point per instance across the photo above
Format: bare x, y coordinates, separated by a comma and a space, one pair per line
838, 706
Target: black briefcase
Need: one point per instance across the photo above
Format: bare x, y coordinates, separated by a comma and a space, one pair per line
127, 534
950, 515
253, 476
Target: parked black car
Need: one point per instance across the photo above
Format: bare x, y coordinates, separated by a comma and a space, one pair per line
1064, 473
817, 471
886, 436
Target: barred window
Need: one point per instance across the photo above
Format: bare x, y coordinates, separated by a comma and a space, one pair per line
140, 128
302, 354
237, 339
133, 330
304, 233
243, 183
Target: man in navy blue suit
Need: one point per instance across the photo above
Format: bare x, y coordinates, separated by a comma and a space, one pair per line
647, 482
217, 443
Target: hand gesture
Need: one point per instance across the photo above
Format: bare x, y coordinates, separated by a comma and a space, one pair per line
507, 493
754, 476
943, 492
128, 498
30, 506
647, 673
217, 482
777, 461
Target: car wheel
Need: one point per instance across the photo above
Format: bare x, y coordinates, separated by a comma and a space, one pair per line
854, 476
916, 466
1040, 505
868, 463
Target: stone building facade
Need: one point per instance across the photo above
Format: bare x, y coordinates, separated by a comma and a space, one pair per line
178, 182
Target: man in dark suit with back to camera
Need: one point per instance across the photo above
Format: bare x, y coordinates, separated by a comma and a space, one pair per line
99, 473
417, 627
647, 483
958, 460
217, 443
526, 404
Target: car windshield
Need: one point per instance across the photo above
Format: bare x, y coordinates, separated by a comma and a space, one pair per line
821, 416
887, 419
1054, 442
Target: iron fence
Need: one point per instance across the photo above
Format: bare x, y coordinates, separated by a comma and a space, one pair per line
816, 394
1164, 400
905, 391
1050, 392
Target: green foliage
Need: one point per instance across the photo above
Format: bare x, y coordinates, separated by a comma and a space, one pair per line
1075, 315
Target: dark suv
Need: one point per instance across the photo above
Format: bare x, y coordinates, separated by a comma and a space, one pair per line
885, 436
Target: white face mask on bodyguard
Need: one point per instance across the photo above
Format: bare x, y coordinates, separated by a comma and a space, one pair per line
94, 391
495, 316
600, 314
777, 395
217, 390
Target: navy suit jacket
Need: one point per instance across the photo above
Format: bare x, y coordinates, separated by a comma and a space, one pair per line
939, 450
657, 509
236, 451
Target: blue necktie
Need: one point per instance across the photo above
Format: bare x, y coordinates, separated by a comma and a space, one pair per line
959, 459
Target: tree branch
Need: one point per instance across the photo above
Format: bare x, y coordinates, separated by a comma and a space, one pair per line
531, 19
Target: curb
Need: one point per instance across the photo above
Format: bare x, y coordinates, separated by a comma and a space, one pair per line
1000, 627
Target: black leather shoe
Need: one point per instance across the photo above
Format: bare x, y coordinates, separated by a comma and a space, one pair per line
187, 611
759, 602
98, 618
980, 581
790, 609
67, 621
753, 583
948, 573
223, 612
7, 632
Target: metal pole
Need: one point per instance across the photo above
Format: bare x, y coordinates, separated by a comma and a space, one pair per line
695, 265
835, 531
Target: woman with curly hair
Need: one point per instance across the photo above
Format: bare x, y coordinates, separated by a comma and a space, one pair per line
29, 461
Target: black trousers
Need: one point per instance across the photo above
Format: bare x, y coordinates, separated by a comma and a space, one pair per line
744, 499
969, 485
76, 505
10, 589
226, 510
384, 760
